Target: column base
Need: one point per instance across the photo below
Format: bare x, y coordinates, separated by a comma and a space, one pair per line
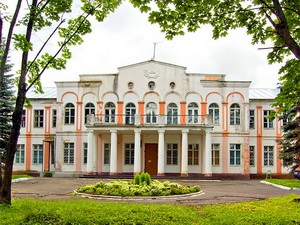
208, 174
184, 174
161, 174
113, 173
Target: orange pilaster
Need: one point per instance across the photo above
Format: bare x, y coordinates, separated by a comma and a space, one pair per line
120, 112
183, 112
142, 111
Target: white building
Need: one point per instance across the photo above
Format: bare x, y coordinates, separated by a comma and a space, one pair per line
151, 117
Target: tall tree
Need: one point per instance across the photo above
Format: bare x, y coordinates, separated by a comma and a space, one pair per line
68, 27
267, 21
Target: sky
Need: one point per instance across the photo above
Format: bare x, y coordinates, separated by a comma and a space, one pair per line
126, 37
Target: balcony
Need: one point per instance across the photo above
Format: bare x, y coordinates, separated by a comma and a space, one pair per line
148, 120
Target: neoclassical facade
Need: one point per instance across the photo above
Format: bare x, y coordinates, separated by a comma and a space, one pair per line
151, 117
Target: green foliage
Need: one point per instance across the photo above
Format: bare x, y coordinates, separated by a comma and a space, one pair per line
47, 174
137, 179
125, 188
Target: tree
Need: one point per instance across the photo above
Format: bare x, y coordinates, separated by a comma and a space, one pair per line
59, 16
6, 109
267, 21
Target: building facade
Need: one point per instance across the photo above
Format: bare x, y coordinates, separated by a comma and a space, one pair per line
151, 117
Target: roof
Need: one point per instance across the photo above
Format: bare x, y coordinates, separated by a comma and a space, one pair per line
49, 92
151, 61
263, 93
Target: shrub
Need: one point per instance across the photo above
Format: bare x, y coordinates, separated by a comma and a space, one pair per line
137, 179
47, 174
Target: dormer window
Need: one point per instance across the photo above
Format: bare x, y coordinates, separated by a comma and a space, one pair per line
151, 85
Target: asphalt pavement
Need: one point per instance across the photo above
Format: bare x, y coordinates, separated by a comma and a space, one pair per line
212, 191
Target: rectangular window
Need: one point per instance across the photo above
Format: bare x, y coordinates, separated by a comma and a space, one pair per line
252, 119
23, 122
39, 118
20, 154
129, 154
85, 152
235, 154
172, 154
215, 154
37, 154
252, 155
268, 155
54, 117
69, 153
193, 154
107, 153
268, 123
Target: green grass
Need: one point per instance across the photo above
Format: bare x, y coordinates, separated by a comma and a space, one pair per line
20, 176
281, 210
291, 183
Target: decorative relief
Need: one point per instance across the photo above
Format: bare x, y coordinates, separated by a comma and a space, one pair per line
152, 73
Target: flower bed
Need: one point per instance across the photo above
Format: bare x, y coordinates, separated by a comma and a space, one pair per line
130, 188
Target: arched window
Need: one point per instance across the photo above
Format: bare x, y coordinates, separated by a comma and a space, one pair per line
130, 113
235, 114
151, 112
88, 109
110, 112
69, 113
172, 114
214, 112
192, 113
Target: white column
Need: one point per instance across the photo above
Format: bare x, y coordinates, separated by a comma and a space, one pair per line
90, 155
137, 151
113, 152
184, 153
207, 155
161, 152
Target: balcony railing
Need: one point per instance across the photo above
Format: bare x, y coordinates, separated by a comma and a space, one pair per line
148, 120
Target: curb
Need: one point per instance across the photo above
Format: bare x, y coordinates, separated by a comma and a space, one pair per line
280, 186
21, 179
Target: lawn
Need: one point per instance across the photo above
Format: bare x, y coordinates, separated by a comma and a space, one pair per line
291, 183
281, 210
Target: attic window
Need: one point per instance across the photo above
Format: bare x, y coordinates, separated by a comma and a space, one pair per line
151, 85
130, 85
172, 85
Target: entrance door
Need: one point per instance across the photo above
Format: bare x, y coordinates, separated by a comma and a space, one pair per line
151, 151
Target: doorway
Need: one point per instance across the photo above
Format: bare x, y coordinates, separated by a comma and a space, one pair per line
151, 155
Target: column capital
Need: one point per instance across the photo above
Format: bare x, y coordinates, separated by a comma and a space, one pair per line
161, 131
113, 131
185, 131
137, 131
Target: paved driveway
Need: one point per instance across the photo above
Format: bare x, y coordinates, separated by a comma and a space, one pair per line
214, 192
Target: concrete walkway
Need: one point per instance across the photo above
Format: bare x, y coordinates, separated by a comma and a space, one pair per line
213, 192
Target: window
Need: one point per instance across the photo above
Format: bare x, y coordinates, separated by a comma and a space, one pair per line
37, 154
39, 118
214, 112
192, 113
130, 113
193, 154
151, 85
151, 113
85, 152
69, 113
235, 154
23, 122
107, 153
172, 85
252, 155
215, 154
88, 109
268, 155
54, 117
235, 114
130, 85
69, 153
110, 112
252, 119
129, 154
20, 154
268, 123
172, 113
172, 154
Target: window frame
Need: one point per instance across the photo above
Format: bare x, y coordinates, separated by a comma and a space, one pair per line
37, 154
268, 123
129, 154
69, 153
130, 111
20, 154
172, 157
110, 112
252, 155
106, 153
252, 119
151, 113
69, 117
235, 114
193, 113
235, 155
54, 118
89, 109
172, 113
215, 154
269, 153
38, 121
214, 111
85, 152
193, 154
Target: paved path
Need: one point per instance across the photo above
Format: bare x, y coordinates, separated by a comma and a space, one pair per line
214, 192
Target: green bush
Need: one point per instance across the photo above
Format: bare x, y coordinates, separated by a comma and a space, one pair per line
47, 174
137, 179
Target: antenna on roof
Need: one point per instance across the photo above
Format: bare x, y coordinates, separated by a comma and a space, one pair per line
154, 49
